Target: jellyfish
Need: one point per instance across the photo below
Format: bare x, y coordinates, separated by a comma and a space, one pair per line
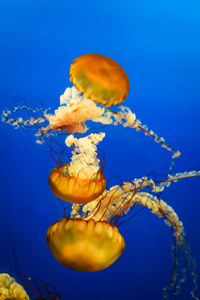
103, 83
85, 245
88, 240
100, 79
11, 289
81, 180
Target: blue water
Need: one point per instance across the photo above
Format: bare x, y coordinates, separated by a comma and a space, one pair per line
158, 45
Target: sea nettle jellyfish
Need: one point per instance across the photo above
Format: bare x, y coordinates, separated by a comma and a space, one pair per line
103, 83
11, 289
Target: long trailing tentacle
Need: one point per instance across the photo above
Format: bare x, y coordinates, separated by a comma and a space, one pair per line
125, 117
20, 122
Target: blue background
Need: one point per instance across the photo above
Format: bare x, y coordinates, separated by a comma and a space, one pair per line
158, 45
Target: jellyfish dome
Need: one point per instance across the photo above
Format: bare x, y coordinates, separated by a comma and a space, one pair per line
75, 189
100, 79
11, 289
87, 246
81, 180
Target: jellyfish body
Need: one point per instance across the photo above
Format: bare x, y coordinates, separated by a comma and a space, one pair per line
87, 246
74, 188
11, 289
100, 79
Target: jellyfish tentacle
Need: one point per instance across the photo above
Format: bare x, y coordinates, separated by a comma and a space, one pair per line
24, 123
128, 119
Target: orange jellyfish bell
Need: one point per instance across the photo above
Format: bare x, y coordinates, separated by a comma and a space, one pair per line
100, 79
87, 246
74, 188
